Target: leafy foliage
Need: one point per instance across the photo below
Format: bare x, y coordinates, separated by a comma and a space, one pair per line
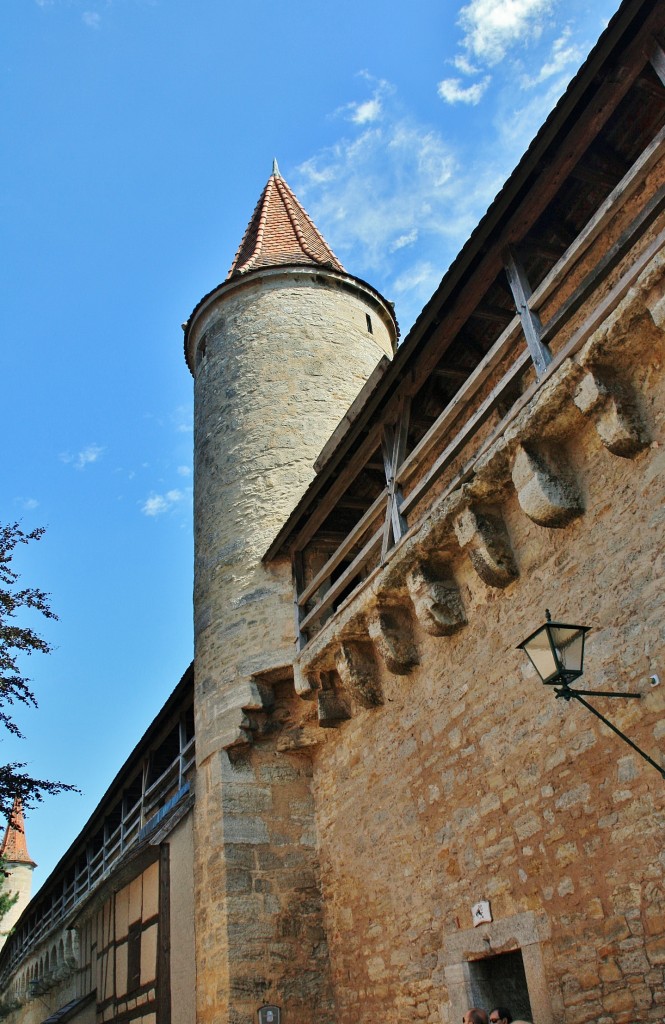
15, 642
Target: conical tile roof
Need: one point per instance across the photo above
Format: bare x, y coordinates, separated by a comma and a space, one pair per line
14, 847
281, 232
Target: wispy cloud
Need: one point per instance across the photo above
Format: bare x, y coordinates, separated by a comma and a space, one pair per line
492, 27
92, 19
91, 453
158, 504
184, 471
452, 91
27, 504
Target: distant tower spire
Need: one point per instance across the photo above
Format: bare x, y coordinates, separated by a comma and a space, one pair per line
14, 846
19, 866
275, 168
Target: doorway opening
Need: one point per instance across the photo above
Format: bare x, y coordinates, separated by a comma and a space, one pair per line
500, 981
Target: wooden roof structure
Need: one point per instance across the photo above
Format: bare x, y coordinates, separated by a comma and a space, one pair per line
585, 162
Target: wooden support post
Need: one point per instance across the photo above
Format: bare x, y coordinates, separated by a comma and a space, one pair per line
393, 446
298, 587
531, 325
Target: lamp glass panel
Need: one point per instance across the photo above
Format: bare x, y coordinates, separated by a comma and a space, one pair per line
540, 652
568, 643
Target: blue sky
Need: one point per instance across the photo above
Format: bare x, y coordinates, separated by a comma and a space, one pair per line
138, 137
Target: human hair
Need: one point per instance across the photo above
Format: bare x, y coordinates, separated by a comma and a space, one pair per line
477, 1016
503, 1013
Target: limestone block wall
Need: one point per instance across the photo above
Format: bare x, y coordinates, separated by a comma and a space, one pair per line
462, 778
277, 361
278, 358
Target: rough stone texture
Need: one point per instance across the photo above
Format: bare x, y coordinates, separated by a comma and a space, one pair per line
486, 541
278, 357
617, 418
436, 600
471, 781
543, 495
390, 629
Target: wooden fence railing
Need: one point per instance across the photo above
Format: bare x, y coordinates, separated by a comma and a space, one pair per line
391, 515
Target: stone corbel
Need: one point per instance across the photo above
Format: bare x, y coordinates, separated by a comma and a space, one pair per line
390, 630
436, 602
306, 682
543, 496
486, 542
357, 670
616, 418
332, 709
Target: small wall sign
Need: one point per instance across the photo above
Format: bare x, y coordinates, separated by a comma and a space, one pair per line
269, 1014
481, 913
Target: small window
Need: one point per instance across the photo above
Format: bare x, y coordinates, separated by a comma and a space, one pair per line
134, 957
369, 323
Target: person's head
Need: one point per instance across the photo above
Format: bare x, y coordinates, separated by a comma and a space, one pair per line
474, 1016
500, 1015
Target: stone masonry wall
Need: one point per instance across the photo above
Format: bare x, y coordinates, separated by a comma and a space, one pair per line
280, 358
469, 780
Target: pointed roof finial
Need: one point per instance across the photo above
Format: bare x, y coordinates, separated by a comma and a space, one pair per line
280, 233
14, 847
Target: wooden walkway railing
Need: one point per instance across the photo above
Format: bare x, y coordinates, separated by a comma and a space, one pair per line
391, 515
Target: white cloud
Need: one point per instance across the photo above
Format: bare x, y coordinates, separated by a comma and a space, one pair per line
452, 91
381, 188
155, 505
408, 239
366, 112
565, 58
184, 471
422, 278
491, 27
92, 19
182, 418
158, 504
84, 458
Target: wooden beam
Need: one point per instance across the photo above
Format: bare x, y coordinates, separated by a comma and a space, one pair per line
492, 314
610, 260
298, 584
595, 176
447, 373
458, 404
657, 60
394, 448
467, 431
346, 477
342, 583
531, 324
340, 553
605, 212
534, 247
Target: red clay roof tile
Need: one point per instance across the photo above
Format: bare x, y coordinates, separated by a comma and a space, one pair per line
280, 232
14, 847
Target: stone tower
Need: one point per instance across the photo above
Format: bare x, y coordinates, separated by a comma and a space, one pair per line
19, 866
278, 351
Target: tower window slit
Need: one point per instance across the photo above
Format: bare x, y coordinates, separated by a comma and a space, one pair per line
369, 323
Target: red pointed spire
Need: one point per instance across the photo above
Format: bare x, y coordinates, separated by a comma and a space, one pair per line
14, 847
280, 233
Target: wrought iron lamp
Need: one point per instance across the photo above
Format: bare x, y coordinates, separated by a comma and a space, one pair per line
556, 651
